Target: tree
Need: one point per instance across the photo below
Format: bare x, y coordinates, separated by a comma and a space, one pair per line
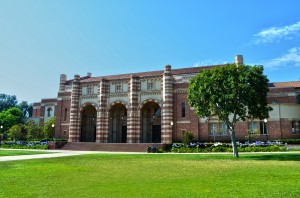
15, 132
7, 101
49, 129
10, 117
233, 93
25, 108
34, 131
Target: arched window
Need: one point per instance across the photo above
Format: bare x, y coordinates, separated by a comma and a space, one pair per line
66, 114
183, 109
49, 112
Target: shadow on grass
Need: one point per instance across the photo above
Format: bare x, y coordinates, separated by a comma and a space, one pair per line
273, 156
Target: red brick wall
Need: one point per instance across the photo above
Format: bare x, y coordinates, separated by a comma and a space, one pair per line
62, 125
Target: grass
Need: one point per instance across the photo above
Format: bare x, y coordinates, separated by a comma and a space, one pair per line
19, 152
154, 175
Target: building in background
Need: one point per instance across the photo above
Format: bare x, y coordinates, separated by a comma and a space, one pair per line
152, 107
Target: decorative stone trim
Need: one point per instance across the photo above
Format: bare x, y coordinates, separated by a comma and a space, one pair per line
89, 97
143, 93
118, 95
181, 91
277, 95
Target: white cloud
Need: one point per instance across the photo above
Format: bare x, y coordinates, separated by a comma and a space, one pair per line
276, 34
290, 59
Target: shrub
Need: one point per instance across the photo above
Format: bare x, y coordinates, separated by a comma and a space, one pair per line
220, 147
24, 145
187, 137
291, 141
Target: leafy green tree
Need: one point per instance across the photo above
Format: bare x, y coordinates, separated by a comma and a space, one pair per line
25, 108
15, 132
10, 117
49, 130
7, 101
233, 93
34, 131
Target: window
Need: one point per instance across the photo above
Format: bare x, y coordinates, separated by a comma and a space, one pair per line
49, 112
119, 88
157, 112
252, 127
218, 128
66, 114
183, 109
263, 128
223, 128
295, 127
89, 90
150, 85
213, 128
65, 132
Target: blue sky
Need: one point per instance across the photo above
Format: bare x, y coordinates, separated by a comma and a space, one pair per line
39, 40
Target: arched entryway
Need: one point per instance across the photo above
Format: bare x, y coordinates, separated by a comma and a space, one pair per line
151, 123
88, 124
118, 123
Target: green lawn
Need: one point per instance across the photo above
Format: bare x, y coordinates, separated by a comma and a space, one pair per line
154, 175
19, 152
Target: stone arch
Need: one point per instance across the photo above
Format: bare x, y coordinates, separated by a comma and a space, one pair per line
117, 102
142, 104
87, 104
88, 120
150, 112
117, 112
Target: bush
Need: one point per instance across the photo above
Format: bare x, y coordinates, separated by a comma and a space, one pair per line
24, 145
187, 137
220, 147
291, 141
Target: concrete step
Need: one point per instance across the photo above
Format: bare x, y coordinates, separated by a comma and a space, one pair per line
114, 147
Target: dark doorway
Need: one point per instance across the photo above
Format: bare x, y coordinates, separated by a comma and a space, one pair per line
88, 124
118, 124
151, 123
156, 136
124, 134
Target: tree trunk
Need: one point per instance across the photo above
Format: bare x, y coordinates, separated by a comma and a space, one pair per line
233, 142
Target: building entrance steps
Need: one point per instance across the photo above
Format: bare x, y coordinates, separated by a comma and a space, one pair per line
113, 147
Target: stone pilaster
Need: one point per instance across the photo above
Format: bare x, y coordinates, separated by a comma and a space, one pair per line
239, 60
62, 82
133, 116
74, 133
167, 109
102, 115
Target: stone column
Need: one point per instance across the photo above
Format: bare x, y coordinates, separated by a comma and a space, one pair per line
133, 116
74, 133
167, 109
63, 79
239, 60
102, 115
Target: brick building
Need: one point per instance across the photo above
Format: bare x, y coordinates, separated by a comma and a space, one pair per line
152, 107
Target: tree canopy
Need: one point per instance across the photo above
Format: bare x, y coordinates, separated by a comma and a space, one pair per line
25, 108
233, 93
10, 117
7, 101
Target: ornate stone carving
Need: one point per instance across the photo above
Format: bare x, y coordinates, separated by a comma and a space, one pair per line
181, 91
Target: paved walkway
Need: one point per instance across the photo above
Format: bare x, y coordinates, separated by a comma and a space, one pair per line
55, 153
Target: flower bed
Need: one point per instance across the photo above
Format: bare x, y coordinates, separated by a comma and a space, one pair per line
24, 145
196, 147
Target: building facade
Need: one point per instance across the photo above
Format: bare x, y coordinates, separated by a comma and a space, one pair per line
152, 107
